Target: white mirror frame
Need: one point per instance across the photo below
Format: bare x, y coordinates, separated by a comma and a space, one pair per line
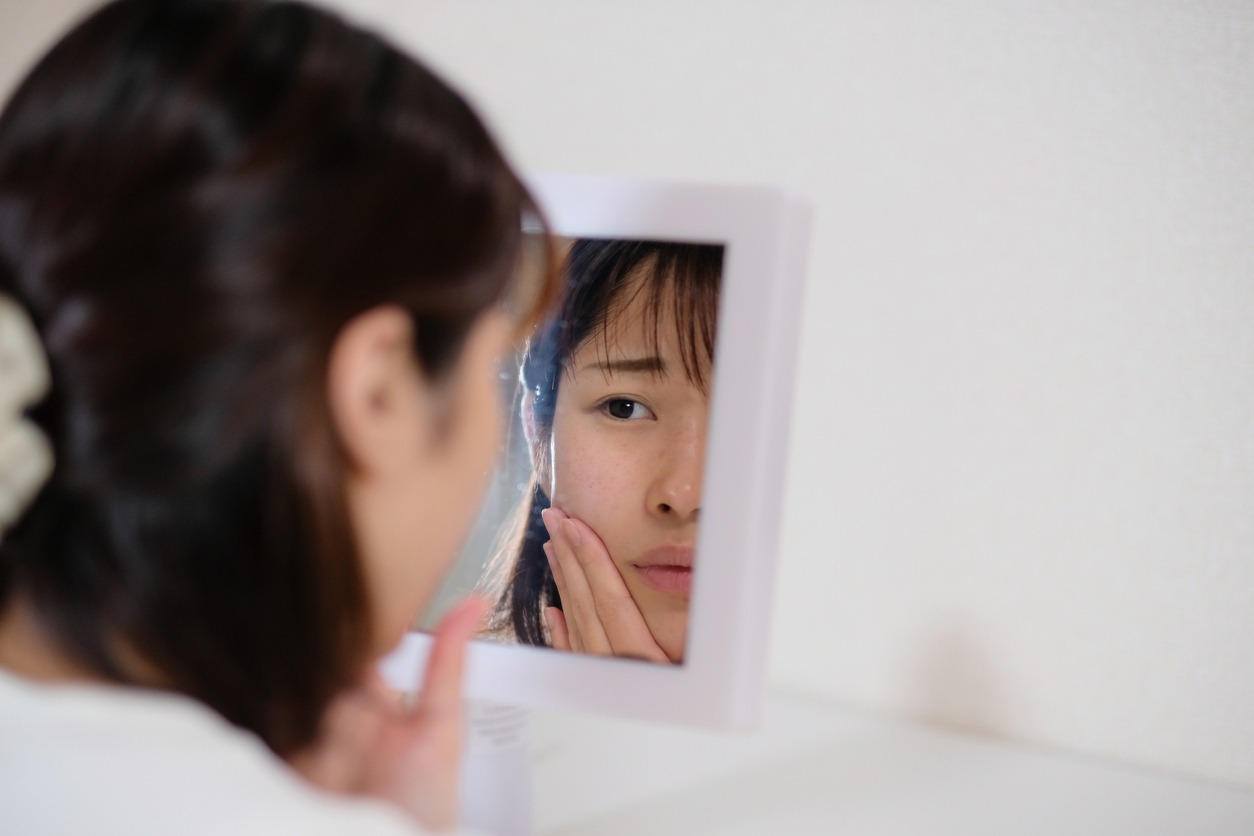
720, 683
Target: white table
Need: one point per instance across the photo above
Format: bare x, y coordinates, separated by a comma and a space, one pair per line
814, 770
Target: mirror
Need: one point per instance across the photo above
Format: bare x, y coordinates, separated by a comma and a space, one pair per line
587, 539
740, 254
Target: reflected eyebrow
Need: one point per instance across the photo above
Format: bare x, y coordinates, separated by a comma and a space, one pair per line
634, 365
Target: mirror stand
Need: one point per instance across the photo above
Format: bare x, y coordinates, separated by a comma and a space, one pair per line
496, 769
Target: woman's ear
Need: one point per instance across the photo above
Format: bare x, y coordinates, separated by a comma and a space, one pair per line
376, 392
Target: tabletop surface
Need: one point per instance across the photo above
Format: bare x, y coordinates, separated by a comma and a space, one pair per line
812, 769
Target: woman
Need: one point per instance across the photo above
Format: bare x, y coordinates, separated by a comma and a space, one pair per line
616, 401
271, 261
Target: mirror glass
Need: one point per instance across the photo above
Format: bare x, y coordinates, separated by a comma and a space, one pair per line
586, 541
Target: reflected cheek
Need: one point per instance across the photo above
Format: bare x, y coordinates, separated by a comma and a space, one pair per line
601, 489
606, 488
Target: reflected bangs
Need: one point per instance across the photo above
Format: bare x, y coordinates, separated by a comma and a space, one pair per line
674, 285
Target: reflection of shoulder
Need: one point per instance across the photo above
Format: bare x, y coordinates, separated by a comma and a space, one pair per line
112, 759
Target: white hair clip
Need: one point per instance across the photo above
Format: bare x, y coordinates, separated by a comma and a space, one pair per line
25, 455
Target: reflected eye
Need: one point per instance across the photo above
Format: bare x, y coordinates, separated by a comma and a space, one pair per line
625, 409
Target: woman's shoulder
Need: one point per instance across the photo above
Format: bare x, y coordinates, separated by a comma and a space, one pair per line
106, 759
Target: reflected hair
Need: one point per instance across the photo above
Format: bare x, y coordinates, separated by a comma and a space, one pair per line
602, 279
195, 197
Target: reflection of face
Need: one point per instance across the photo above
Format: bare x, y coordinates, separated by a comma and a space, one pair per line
627, 453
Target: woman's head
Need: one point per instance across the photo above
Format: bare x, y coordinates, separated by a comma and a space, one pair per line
256, 242
616, 400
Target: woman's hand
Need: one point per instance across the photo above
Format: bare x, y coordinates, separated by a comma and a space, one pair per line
372, 743
598, 614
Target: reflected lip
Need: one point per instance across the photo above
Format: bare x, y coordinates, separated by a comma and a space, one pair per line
667, 569
678, 556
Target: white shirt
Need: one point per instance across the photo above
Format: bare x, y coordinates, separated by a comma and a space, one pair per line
102, 759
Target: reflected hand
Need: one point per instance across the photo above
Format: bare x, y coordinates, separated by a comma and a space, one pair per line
598, 614
373, 744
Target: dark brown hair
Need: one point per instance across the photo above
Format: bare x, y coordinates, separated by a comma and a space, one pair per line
195, 197
602, 279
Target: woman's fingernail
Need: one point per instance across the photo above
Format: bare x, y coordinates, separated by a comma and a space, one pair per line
546, 517
572, 531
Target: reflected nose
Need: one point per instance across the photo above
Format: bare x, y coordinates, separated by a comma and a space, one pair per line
676, 492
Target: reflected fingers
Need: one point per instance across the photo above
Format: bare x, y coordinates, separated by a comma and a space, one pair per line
557, 628
617, 611
573, 640
577, 602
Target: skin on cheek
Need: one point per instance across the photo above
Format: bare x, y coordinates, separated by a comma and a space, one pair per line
594, 479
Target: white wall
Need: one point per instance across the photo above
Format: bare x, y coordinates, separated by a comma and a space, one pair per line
1021, 494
